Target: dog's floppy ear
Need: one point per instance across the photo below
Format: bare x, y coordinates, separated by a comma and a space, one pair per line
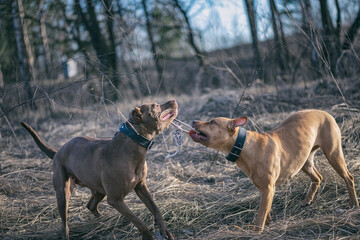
238, 122
136, 114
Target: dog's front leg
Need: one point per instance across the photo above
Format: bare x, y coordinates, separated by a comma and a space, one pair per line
266, 198
144, 194
120, 205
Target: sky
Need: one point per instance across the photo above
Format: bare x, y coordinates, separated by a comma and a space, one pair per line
223, 23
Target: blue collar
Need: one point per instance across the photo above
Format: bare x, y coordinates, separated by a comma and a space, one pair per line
131, 133
239, 144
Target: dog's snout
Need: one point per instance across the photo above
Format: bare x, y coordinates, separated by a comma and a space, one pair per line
194, 123
171, 103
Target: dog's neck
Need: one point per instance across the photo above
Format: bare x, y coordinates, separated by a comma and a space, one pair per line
118, 140
253, 143
228, 145
250, 144
140, 130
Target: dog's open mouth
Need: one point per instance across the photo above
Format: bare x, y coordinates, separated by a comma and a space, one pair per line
168, 113
197, 136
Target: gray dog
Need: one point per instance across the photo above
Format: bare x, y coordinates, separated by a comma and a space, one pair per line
111, 167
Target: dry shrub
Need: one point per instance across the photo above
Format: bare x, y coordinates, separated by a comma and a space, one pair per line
351, 132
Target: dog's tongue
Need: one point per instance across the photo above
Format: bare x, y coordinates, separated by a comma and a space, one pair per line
168, 113
167, 116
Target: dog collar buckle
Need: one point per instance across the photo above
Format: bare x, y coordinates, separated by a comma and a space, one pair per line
237, 148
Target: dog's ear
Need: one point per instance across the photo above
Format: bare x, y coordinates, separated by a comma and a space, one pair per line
136, 114
238, 122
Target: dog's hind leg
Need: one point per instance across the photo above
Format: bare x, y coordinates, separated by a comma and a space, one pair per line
315, 177
330, 142
335, 156
92, 205
63, 187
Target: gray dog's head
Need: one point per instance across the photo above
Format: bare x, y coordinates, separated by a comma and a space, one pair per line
152, 118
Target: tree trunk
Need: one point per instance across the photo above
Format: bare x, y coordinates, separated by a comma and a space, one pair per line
30, 56
191, 38
125, 45
21, 52
8, 59
156, 57
280, 44
307, 17
338, 23
351, 33
331, 40
252, 22
107, 63
44, 38
112, 46
198, 53
313, 50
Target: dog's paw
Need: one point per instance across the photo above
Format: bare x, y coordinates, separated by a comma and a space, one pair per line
158, 236
304, 203
268, 220
147, 237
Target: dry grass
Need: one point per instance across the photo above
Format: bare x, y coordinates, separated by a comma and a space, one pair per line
200, 194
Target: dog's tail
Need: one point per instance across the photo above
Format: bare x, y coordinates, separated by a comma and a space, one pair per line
41, 144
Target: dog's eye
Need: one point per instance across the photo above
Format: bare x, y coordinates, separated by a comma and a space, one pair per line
212, 122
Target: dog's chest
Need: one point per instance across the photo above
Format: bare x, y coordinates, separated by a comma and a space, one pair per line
141, 170
137, 173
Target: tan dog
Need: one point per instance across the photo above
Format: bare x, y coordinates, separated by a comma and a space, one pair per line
110, 167
270, 158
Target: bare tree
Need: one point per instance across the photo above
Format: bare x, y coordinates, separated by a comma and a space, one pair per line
44, 37
255, 44
191, 38
154, 52
331, 34
106, 54
28, 47
279, 38
351, 33
125, 45
307, 17
21, 51
111, 37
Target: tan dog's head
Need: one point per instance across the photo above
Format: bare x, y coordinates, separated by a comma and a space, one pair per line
153, 118
217, 132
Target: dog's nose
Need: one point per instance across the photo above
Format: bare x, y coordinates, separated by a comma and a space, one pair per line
194, 123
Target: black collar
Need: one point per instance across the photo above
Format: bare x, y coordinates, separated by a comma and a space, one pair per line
131, 133
239, 144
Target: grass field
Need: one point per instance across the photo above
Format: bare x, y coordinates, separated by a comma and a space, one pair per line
201, 195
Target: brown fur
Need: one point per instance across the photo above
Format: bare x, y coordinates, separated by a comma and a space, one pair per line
112, 167
270, 158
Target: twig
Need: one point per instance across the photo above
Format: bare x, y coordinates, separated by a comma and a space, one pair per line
242, 96
323, 60
41, 97
12, 130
